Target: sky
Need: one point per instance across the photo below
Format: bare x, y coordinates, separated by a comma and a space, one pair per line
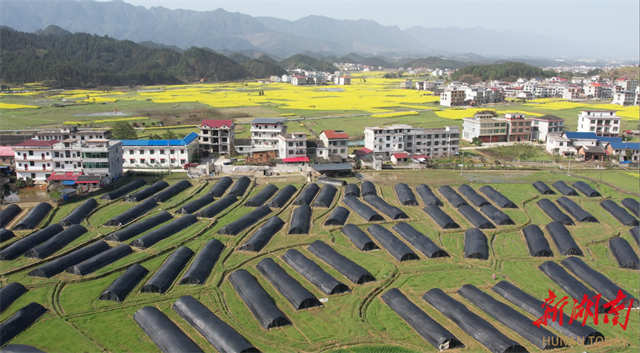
597, 20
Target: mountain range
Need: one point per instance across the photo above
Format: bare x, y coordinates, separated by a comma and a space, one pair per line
221, 30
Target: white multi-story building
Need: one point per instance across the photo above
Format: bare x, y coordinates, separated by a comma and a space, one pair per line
293, 147
485, 127
34, 159
73, 133
624, 97
559, 145
297, 80
99, 158
452, 98
265, 134
543, 125
217, 136
342, 80
405, 138
336, 142
601, 122
142, 154
636, 100
624, 84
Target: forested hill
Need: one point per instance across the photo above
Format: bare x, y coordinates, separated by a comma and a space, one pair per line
305, 62
507, 71
84, 60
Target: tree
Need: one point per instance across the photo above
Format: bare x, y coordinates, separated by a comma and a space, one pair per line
123, 131
169, 135
476, 141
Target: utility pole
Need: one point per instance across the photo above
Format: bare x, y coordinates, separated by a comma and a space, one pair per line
569, 168
462, 163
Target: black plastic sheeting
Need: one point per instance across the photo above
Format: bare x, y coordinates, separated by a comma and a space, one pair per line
536, 242
442, 219
497, 197
165, 231
34, 217
452, 196
20, 247
475, 244
101, 260
314, 273
217, 207
245, 221
8, 214
170, 269
338, 217
262, 237
368, 188
354, 272
172, 190
221, 186
504, 314
543, 188
362, 209
132, 213
498, 217
352, 189
619, 213
257, 300
307, 195
9, 293
575, 210
292, 290
325, 197
62, 263
300, 220
596, 280
632, 205
164, 332
80, 213
123, 190
391, 211
263, 196
195, 205
282, 197
224, 338
56, 242
139, 227
474, 217
563, 239
472, 324
587, 190
391, 243
423, 324
202, 265
240, 187
554, 212
569, 284
358, 237
419, 241
146, 192
5, 235
564, 188
20, 348
405, 195
123, 285
471, 195
635, 234
624, 254
427, 195
20, 321
574, 330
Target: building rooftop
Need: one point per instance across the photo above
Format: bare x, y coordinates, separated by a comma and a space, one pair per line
267, 121
625, 145
6, 151
37, 143
216, 123
609, 139
547, 117
401, 155
184, 142
335, 134
581, 135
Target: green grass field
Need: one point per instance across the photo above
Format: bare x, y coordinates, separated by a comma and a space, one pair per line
356, 322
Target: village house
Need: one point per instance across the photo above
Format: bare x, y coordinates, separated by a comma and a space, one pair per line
34, 159
159, 154
217, 136
601, 122
625, 151
292, 147
543, 125
452, 98
336, 142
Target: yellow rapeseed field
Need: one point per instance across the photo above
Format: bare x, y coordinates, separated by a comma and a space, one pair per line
16, 106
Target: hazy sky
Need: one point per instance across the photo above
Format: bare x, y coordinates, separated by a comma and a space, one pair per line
596, 19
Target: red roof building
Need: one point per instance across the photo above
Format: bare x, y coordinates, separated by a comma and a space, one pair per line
216, 124
335, 134
37, 143
217, 136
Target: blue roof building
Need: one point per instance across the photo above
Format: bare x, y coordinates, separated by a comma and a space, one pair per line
159, 154
183, 142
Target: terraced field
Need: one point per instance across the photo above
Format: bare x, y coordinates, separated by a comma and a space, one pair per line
356, 321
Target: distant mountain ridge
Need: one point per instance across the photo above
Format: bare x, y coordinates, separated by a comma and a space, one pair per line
220, 30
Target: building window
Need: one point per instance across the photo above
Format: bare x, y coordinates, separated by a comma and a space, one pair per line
130, 152
132, 161
152, 151
142, 160
161, 151
31, 153
162, 160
